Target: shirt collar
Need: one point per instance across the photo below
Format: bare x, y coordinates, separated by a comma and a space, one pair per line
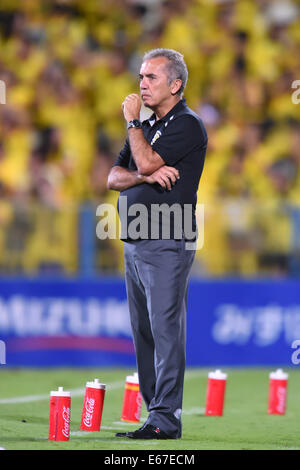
178, 106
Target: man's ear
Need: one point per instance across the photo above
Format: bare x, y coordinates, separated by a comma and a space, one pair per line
175, 87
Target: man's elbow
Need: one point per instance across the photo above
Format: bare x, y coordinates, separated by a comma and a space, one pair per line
146, 169
110, 182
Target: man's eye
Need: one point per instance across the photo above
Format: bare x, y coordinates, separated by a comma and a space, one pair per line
149, 78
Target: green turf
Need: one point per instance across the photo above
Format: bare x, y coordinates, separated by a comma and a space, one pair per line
244, 425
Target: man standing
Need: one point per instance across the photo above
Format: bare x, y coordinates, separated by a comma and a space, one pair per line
160, 165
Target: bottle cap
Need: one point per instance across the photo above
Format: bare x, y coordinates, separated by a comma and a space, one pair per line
217, 374
133, 379
60, 393
96, 384
279, 375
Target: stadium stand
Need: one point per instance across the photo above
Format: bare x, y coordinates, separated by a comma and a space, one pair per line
67, 66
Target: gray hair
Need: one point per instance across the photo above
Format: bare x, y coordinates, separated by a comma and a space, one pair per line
176, 68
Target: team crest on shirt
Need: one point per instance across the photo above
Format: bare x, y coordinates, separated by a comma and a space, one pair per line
156, 136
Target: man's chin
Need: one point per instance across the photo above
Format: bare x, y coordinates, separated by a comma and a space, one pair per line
147, 103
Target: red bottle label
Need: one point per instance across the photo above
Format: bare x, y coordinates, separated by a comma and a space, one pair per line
59, 418
92, 409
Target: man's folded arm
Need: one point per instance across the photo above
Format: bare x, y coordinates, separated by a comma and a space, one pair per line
146, 159
121, 178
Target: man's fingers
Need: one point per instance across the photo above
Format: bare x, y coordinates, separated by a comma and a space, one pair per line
172, 177
165, 182
132, 97
172, 171
165, 176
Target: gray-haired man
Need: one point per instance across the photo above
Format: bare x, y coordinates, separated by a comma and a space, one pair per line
160, 164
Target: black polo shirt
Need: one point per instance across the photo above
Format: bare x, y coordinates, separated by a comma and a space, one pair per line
180, 139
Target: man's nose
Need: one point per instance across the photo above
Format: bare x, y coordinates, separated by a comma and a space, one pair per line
143, 83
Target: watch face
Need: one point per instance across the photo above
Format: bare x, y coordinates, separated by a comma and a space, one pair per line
136, 123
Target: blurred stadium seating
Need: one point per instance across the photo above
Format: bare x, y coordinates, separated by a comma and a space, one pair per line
67, 66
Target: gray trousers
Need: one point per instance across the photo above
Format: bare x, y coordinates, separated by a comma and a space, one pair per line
157, 276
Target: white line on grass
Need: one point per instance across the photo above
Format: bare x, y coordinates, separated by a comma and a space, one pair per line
77, 392
79, 434
126, 423
193, 411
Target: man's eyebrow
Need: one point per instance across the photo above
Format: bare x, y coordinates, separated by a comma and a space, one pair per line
151, 75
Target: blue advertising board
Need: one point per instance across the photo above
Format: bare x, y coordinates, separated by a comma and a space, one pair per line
85, 322
244, 323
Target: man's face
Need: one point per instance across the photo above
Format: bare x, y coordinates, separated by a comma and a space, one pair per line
154, 87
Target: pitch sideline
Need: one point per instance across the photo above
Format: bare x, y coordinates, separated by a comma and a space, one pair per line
76, 392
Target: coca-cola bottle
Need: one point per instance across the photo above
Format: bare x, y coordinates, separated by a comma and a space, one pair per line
132, 400
215, 393
59, 415
92, 406
277, 392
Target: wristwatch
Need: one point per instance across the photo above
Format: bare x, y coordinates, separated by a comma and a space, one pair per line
136, 123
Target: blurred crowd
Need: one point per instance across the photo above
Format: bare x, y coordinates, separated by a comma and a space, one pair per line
67, 66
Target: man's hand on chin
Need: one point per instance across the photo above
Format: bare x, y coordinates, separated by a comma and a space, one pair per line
132, 107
